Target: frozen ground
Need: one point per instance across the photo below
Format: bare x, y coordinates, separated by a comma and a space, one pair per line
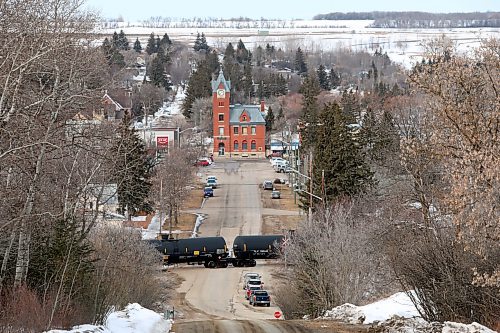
402, 45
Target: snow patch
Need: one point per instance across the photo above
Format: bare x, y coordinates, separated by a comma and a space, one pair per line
133, 319
396, 305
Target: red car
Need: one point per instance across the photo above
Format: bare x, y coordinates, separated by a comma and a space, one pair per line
202, 163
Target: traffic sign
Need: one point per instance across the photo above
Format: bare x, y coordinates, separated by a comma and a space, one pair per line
277, 315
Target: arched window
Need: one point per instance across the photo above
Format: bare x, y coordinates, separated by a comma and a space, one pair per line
236, 147
253, 145
244, 145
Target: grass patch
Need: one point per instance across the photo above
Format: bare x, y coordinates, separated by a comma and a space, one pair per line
286, 202
278, 224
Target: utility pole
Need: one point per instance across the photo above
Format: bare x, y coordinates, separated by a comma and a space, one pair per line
161, 203
310, 185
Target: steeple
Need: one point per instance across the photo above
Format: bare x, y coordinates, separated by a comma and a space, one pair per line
220, 79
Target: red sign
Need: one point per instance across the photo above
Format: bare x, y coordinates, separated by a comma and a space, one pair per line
277, 315
162, 141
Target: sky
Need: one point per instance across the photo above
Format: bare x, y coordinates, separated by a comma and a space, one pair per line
133, 10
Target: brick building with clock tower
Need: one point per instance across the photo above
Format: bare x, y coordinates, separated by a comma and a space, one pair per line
239, 130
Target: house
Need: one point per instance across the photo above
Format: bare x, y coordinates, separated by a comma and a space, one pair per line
115, 103
239, 130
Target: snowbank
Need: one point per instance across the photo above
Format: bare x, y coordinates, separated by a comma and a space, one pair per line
398, 304
133, 319
397, 314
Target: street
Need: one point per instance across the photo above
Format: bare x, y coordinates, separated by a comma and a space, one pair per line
210, 294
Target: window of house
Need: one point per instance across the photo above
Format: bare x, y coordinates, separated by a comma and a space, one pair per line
221, 131
253, 145
221, 116
244, 130
244, 118
221, 104
244, 145
235, 130
236, 145
253, 130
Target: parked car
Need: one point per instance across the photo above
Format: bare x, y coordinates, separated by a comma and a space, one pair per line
212, 183
250, 276
282, 167
260, 297
250, 289
211, 177
276, 195
267, 185
276, 160
208, 192
202, 162
253, 283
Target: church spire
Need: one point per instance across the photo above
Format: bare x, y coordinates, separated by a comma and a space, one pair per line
221, 79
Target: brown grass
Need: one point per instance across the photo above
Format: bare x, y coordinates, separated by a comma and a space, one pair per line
185, 223
277, 224
286, 202
193, 199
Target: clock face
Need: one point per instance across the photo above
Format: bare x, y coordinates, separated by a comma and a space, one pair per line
221, 93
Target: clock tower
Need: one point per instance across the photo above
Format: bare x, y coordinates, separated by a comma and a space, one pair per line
221, 90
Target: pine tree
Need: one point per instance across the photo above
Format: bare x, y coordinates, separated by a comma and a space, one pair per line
310, 90
280, 114
137, 46
197, 43
107, 48
157, 72
123, 41
203, 43
269, 120
242, 54
350, 106
300, 62
323, 78
338, 157
165, 41
334, 79
115, 41
132, 170
198, 87
151, 46
229, 52
213, 62
247, 81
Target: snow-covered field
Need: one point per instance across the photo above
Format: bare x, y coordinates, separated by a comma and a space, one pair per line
402, 45
133, 319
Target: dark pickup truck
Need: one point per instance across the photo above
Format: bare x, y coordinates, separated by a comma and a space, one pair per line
260, 297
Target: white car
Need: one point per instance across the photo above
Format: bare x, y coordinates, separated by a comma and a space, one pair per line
250, 276
278, 160
211, 177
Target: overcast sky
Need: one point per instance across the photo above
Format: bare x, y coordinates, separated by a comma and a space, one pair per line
132, 10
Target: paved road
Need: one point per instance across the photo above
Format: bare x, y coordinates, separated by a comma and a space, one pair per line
218, 294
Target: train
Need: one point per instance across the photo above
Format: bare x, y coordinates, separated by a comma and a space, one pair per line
212, 252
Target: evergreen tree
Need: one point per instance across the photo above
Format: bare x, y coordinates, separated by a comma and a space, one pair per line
310, 89
338, 157
197, 43
203, 43
350, 106
107, 48
198, 87
157, 43
165, 41
151, 46
157, 72
280, 114
334, 79
247, 81
300, 62
259, 56
229, 52
137, 46
213, 62
323, 78
115, 41
242, 54
375, 72
269, 120
123, 41
132, 170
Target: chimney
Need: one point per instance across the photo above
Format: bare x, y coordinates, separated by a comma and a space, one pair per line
262, 106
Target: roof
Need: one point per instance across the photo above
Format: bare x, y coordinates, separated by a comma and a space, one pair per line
221, 79
253, 112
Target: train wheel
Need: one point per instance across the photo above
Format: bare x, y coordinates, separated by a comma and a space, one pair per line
205, 264
211, 264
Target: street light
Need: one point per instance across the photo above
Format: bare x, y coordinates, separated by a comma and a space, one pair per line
184, 130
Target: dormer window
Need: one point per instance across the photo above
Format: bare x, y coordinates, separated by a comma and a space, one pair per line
244, 118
